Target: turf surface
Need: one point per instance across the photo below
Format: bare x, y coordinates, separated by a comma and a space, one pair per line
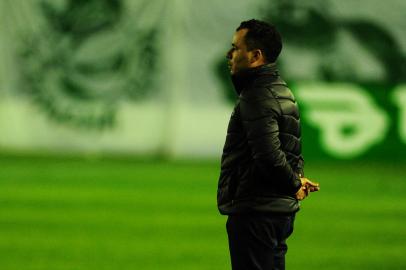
133, 214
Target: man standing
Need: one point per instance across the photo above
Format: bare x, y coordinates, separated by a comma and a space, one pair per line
262, 166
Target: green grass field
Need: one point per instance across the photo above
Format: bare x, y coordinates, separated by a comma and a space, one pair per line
133, 214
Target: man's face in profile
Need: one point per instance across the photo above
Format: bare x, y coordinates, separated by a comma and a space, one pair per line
238, 55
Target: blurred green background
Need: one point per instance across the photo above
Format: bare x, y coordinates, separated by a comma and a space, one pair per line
113, 115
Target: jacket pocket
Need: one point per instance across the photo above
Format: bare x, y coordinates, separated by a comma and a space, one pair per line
245, 181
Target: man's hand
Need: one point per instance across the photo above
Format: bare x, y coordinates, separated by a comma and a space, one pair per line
302, 193
307, 187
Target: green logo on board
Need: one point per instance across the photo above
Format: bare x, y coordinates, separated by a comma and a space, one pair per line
86, 57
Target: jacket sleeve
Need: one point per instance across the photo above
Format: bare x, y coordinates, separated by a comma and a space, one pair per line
300, 166
260, 121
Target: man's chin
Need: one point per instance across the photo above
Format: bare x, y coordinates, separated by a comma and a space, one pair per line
234, 72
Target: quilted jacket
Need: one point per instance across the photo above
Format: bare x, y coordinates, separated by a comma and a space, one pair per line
262, 157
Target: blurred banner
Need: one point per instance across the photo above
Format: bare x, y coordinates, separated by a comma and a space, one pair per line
149, 77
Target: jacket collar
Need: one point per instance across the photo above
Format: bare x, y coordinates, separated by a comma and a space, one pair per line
246, 77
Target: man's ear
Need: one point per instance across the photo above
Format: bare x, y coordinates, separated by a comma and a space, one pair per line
257, 56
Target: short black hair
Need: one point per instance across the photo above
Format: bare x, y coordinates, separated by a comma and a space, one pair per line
264, 36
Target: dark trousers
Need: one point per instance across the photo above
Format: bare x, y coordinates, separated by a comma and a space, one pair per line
258, 241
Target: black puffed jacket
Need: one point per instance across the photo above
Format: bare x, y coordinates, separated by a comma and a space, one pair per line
262, 158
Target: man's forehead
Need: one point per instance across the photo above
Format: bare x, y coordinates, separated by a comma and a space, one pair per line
239, 36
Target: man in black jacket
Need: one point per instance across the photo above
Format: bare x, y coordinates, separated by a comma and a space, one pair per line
261, 179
